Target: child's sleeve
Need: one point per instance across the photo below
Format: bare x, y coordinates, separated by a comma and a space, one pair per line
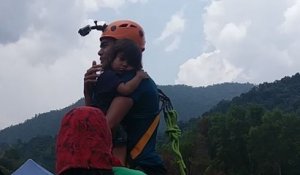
108, 82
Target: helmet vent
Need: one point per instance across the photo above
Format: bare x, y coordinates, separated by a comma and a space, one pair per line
141, 33
123, 25
133, 26
113, 28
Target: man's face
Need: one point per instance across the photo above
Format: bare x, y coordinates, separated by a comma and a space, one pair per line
105, 45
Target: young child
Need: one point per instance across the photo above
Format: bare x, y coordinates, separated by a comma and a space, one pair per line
124, 57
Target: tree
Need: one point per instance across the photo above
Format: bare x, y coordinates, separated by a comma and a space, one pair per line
274, 145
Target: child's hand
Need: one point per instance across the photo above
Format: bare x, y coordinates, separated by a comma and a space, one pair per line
142, 74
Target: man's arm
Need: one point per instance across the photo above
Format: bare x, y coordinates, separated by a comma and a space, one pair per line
118, 108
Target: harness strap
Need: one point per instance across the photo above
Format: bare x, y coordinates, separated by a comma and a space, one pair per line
138, 148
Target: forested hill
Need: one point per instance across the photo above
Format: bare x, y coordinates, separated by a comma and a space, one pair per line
45, 124
188, 101
255, 133
282, 94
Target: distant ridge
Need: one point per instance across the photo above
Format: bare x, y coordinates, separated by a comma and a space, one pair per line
282, 94
40, 125
188, 101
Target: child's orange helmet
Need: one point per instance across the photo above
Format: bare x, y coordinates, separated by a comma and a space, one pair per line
125, 29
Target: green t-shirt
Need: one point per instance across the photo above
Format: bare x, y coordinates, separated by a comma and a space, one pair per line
126, 171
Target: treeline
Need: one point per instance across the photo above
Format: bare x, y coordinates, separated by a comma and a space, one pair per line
40, 149
255, 133
283, 94
244, 141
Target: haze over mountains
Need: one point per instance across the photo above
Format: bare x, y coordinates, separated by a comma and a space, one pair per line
188, 101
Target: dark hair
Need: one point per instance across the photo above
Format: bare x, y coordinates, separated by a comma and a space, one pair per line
129, 51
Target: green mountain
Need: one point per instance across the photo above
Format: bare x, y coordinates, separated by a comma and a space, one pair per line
188, 101
255, 133
282, 94
192, 102
45, 124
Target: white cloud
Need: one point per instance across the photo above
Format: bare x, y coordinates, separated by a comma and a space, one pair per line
42, 59
30, 86
174, 44
213, 12
291, 22
94, 5
258, 41
207, 69
136, 1
42, 55
174, 27
172, 31
232, 32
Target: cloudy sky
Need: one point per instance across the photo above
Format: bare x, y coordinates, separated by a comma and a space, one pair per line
194, 42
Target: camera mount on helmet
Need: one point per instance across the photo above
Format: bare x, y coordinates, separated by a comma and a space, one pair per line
86, 30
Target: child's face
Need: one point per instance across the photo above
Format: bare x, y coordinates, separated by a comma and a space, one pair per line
120, 64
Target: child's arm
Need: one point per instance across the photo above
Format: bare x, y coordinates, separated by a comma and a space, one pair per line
128, 87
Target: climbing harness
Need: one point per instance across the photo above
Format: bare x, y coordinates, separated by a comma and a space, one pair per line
138, 148
173, 130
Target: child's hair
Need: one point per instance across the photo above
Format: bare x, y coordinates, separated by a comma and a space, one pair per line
128, 50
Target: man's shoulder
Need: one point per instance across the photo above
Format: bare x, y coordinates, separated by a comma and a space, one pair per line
148, 83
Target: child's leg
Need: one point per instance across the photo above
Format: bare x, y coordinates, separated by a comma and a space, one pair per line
120, 153
119, 144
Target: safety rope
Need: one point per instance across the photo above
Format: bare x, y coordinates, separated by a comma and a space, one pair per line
173, 130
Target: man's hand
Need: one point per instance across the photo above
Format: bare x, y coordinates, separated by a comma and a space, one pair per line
90, 78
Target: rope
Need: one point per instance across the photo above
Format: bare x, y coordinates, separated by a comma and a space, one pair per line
174, 134
173, 131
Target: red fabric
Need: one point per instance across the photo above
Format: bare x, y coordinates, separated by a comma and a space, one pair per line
84, 141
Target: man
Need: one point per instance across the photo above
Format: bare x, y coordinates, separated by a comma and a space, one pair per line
137, 111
